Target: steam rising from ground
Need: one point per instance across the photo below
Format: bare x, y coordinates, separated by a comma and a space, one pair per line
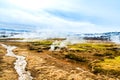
40, 35
64, 43
115, 39
71, 37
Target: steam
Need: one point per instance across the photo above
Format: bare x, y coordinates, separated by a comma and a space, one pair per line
54, 45
63, 44
115, 38
72, 38
40, 35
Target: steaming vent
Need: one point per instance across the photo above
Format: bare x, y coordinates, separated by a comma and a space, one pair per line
58, 45
115, 38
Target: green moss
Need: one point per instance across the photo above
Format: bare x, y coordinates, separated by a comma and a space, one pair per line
80, 47
42, 42
113, 64
97, 49
40, 45
75, 57
90, 46
108, 66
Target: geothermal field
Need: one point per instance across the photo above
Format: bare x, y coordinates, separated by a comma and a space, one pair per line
73, 57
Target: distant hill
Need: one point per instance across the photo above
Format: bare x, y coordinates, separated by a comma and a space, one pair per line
13, 30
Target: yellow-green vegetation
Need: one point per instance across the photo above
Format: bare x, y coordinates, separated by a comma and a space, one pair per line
108, 66
75, 57
80, 47
105, 55
41, 45
113, 64
98, 49
92, 45
43, 42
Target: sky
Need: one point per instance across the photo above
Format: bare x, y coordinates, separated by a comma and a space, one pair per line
84, 16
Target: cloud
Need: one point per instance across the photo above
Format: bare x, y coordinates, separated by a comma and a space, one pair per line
63, 15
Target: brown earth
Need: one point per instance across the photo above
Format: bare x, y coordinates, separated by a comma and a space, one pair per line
7, 71
45, 65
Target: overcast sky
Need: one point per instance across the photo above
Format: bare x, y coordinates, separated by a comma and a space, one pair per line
61, 15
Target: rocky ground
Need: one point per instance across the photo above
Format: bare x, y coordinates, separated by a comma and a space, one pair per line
47, 65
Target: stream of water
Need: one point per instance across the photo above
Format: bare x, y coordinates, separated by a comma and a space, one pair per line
20, 64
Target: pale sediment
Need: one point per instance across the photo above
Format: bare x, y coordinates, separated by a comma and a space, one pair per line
20, 64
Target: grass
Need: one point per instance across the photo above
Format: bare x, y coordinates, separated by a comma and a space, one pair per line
99, 49
93, 45
107, 66
107, 56
113, 64
75, 57
42, 42
41, 45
